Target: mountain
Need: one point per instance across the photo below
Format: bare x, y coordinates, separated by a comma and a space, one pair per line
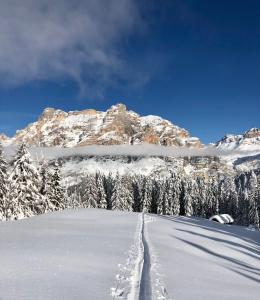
244, 150
118, 126
115, 126
247, 141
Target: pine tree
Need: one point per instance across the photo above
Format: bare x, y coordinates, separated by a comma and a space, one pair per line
155, 195
161, 199
90, 194
253, 217
108, 183
56, 193
3, 187
136, 188
175, 185
46, 187
168, 196
122, 197
187, 199
25, 197
146, 194
102, 202
74, 200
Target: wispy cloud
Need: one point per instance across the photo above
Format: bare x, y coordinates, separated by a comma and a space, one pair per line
79, 39
134, 150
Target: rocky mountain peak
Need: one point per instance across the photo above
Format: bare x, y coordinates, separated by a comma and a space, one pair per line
50, 113
117, 108
240, 141
252, 133
115, 126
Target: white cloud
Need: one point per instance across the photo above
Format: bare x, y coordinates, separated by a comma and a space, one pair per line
79, 39
133, 150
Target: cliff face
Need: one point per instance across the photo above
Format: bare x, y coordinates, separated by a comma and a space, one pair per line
115, 126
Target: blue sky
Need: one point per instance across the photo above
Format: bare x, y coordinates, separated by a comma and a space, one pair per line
195, 63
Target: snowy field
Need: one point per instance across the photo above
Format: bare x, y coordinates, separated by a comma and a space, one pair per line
201, 259
98, 254
64, 255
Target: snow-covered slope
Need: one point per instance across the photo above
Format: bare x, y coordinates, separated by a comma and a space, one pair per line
201, 259
248, 141
245, 147
67, 255
98, 254
115, 126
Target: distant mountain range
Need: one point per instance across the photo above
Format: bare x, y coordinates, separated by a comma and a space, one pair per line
118, 126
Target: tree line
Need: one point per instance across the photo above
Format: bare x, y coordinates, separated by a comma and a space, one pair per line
27, 190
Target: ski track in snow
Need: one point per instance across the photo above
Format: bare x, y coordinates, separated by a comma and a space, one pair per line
139, 278
159, 291
128, 279
145, 292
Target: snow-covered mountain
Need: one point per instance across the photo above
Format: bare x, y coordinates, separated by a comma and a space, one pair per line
249, 140
115, 126
119, 126
244, 149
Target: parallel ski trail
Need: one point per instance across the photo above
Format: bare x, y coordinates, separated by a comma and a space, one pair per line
145, 292
134, 281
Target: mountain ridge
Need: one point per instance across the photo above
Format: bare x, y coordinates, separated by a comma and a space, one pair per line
115, 126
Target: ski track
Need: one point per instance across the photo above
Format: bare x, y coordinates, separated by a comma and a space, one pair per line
127, 281
139, 278
145, 292
159, 291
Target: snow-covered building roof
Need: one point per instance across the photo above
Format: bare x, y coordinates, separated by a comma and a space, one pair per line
223, 219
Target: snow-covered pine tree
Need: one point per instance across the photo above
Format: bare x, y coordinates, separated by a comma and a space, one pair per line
46, 186
146, 194
201, 197
3, 187
56, 192
156, 183
232, 201
74, 200
136, 193
187, 199
215, 201
175, 190
161, 198
102, 202
25, 197
122, 197
108, 182
168, 196
253, 217
90, 196
243, 205
211, 204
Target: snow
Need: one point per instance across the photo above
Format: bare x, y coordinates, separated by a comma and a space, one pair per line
65, 255
200, 259
99, 254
